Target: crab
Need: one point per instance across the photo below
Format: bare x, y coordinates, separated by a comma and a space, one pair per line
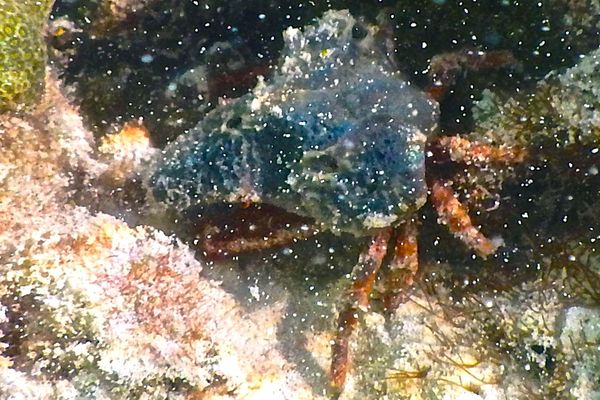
337, 140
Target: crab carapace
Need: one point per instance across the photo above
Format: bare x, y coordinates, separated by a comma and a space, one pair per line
337, 140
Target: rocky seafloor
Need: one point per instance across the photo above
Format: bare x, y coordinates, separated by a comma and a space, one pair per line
104, 296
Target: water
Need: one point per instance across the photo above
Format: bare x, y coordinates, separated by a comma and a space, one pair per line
107, 292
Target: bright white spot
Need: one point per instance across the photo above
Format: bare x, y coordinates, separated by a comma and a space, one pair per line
255, 292
147, 58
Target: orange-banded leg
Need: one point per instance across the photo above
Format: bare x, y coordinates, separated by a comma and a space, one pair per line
455, 215
449, 209
364, 276
214, 246
457, 149
400, 273
464, 151
403, 268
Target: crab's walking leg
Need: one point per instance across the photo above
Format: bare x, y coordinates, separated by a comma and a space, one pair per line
364, 275
455, 215
465, 151
404, 265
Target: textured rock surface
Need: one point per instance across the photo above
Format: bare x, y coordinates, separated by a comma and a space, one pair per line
562, 110
92, 308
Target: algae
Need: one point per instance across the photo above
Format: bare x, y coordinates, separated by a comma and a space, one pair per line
22, 51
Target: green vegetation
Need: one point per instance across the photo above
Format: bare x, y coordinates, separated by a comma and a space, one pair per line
22, 51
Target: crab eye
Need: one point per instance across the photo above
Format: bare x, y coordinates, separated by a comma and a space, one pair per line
234, 123
323, 163
359, 32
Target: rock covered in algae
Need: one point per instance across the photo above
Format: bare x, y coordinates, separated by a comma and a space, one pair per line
92, 308
523, 343
550, 209
561, 110
335, 135
22, 51
557, 121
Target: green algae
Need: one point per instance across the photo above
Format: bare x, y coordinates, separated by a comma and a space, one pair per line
554, 199
557, 121
560, 111
22, 51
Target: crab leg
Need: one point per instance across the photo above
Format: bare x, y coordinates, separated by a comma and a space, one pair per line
464, 151
364, 275
404, 265
455, 215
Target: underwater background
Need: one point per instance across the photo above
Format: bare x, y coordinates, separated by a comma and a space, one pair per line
127, 127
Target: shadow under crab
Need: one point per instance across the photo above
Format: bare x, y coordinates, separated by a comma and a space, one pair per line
336, 141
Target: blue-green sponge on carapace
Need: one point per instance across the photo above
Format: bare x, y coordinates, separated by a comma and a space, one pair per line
335, 135
22, 51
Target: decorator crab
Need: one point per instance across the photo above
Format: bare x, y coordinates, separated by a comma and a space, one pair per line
336, 140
